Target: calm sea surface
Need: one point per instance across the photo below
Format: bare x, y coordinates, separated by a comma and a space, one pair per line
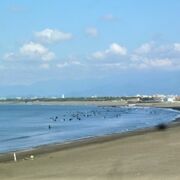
23, 127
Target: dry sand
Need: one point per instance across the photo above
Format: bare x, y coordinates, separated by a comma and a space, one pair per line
150, 155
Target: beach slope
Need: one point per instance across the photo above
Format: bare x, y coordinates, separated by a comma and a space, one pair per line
151, 155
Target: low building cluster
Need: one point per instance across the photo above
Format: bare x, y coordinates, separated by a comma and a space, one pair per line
158, 98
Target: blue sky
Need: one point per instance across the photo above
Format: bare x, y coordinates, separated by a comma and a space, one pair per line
89, 47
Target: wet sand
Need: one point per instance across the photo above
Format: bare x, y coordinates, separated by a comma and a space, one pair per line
144, 154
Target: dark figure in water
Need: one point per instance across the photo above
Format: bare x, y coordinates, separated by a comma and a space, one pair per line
162, 127
54, 118
49, 127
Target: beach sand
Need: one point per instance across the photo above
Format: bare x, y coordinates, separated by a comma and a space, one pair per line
140, 155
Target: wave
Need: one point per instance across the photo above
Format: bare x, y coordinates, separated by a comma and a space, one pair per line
21, 137
15, 138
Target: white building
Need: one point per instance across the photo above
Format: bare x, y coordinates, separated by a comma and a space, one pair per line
170, 99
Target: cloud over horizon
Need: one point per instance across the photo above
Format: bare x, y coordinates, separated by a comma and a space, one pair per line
109, 17
150, 55
92, 32
146, 56
35, 50
53, 36
41, 56
113, 50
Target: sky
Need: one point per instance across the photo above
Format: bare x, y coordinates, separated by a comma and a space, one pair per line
89, 47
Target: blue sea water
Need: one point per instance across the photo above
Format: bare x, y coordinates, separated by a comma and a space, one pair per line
27, 126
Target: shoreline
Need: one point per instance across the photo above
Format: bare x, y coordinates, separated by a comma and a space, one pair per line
56, 147
91, 102
113, 103
149, 153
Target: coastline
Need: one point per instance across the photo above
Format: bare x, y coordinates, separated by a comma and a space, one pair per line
148, 153
54, 147
69, 102
175, 104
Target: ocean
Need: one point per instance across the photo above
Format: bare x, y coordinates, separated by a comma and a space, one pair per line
27, 126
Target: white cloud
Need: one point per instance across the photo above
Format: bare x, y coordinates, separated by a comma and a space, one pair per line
67, 64
113, 65
9, 56
62, 65
109, 17
53, 35
161, 62
152, 55
117, 49
92, 31
44, 66
177, 47
144, 48
113, 50
147, 56
75, 63
36, 50
164, 63
99, 55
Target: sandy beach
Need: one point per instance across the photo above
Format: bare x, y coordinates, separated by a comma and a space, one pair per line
144, 154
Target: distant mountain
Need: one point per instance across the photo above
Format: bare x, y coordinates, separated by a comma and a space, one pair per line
119, 85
